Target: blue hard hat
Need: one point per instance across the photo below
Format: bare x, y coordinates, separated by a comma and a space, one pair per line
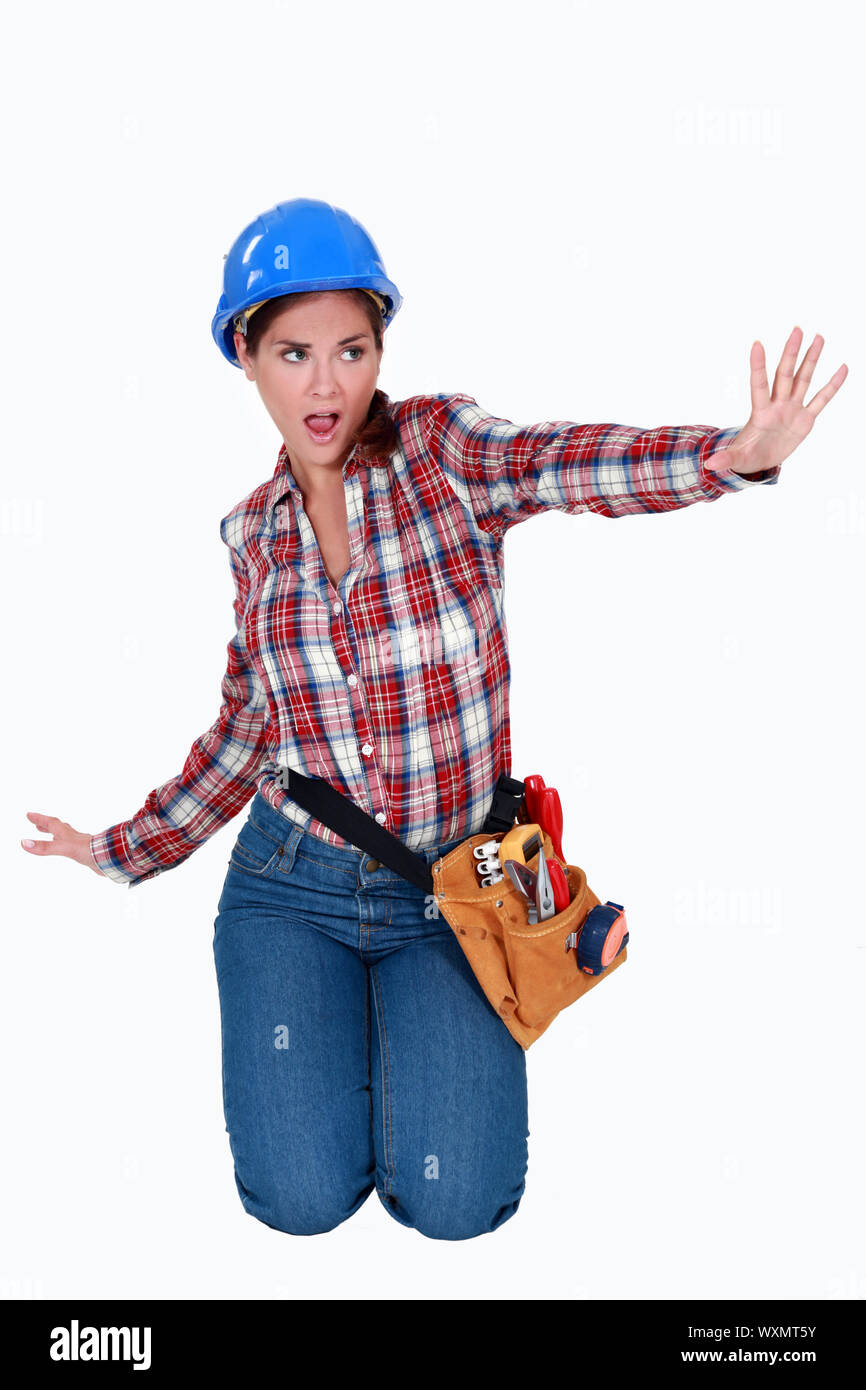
300, 245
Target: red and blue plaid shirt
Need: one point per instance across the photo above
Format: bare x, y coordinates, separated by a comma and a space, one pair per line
394, 687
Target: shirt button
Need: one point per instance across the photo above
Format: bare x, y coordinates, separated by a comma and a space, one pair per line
352, 680
337, 606
367, 749
380, 817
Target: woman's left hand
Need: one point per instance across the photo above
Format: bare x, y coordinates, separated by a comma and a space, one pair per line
780, 422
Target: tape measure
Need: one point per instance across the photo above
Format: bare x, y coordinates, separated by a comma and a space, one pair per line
600, 939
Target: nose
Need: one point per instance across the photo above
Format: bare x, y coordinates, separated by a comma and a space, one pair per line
323, 379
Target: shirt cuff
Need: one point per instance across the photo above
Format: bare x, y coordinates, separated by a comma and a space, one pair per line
729, 480
110, 855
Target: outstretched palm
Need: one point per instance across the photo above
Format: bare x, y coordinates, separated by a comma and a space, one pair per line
778, 422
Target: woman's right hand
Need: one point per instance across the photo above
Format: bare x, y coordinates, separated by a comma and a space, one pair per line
72, 844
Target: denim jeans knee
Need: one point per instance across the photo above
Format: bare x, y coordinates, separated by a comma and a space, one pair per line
452, 1223
285, 1215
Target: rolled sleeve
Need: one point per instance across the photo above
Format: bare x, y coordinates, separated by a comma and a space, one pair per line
729, 480
506, 473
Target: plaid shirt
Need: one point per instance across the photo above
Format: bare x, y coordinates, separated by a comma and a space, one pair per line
394, 687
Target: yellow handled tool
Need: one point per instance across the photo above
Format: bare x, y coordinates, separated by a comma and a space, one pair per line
522, 843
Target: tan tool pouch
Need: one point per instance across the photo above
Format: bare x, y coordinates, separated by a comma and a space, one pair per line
526, 971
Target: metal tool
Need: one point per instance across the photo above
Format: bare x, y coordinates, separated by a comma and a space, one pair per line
536, 887
526, 879
543, 907
522, 878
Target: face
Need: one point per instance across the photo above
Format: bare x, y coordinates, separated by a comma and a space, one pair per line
317, 356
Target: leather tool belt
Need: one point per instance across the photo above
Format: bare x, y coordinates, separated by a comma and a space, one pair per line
529, 973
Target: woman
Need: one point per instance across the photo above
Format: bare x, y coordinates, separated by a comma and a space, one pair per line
359, 1051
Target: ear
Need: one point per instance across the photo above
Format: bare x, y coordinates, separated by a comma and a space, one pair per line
240, 343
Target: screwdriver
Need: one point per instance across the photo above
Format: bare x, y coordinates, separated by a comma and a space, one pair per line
544, 807
532, 787
550, 817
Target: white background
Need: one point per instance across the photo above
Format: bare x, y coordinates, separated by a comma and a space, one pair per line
591, 212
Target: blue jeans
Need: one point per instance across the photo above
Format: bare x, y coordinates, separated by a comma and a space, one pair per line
358, 1049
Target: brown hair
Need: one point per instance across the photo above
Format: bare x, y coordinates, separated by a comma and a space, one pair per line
378, 435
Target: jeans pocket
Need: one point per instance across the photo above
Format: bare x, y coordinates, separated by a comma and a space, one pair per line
255, 851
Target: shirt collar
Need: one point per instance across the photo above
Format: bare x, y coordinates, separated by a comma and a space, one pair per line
283, 482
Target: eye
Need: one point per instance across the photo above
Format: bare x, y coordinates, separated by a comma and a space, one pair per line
288, 354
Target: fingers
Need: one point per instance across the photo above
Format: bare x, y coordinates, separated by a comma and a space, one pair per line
49, 825
820, 399
785, 370
758, 378
807, 367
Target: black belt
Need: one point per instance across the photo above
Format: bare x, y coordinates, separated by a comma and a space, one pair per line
341, 815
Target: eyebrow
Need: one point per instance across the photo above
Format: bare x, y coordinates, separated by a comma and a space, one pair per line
291, 342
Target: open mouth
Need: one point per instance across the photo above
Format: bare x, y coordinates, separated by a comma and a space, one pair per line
323, 426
